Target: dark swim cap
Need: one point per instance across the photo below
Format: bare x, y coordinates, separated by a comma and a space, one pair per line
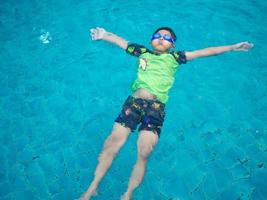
167, 29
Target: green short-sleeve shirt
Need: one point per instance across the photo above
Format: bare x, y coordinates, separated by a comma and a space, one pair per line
155, 71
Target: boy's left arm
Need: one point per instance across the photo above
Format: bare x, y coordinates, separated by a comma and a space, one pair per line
242, 46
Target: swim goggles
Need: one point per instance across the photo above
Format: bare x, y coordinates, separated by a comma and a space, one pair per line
165, 37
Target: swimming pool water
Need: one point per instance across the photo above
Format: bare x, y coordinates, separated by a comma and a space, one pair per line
60, 92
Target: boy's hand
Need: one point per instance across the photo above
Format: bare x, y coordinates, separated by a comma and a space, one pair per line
97, 33
242, 46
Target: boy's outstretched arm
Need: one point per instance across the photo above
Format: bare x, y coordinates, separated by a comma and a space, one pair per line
102, 34
242, 46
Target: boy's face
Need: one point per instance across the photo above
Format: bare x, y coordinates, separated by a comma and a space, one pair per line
160, 44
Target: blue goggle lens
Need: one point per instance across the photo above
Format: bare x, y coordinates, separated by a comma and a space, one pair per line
165, 37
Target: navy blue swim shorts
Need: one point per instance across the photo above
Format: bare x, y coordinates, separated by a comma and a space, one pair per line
148, 113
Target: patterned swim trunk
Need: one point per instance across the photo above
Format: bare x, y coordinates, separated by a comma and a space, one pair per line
149, 113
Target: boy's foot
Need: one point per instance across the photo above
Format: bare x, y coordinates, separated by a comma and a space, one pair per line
89, 193
126, 196
87, 196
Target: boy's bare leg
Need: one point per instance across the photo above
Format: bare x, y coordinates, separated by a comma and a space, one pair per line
146, 143
111, 147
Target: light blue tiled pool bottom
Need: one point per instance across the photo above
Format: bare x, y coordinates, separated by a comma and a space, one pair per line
60, 92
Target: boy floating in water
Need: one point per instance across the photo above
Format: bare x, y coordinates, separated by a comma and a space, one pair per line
145, 106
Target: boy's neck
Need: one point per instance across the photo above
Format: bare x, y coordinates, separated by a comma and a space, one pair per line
160, 52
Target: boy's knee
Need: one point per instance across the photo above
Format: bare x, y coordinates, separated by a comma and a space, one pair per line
118, 138
144, 150
114, 141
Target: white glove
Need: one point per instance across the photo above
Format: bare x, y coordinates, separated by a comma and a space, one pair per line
97, 33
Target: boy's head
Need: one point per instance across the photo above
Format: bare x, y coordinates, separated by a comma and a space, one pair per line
163, 39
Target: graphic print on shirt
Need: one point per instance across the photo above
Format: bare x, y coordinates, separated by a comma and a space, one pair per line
143, 63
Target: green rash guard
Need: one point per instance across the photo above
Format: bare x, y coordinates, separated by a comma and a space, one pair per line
156, 71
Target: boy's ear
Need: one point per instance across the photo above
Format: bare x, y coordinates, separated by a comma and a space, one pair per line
172, 47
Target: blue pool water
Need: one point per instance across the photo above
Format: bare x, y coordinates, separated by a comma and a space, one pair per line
60, 92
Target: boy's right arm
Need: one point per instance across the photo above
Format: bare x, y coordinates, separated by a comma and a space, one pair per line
102, 34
